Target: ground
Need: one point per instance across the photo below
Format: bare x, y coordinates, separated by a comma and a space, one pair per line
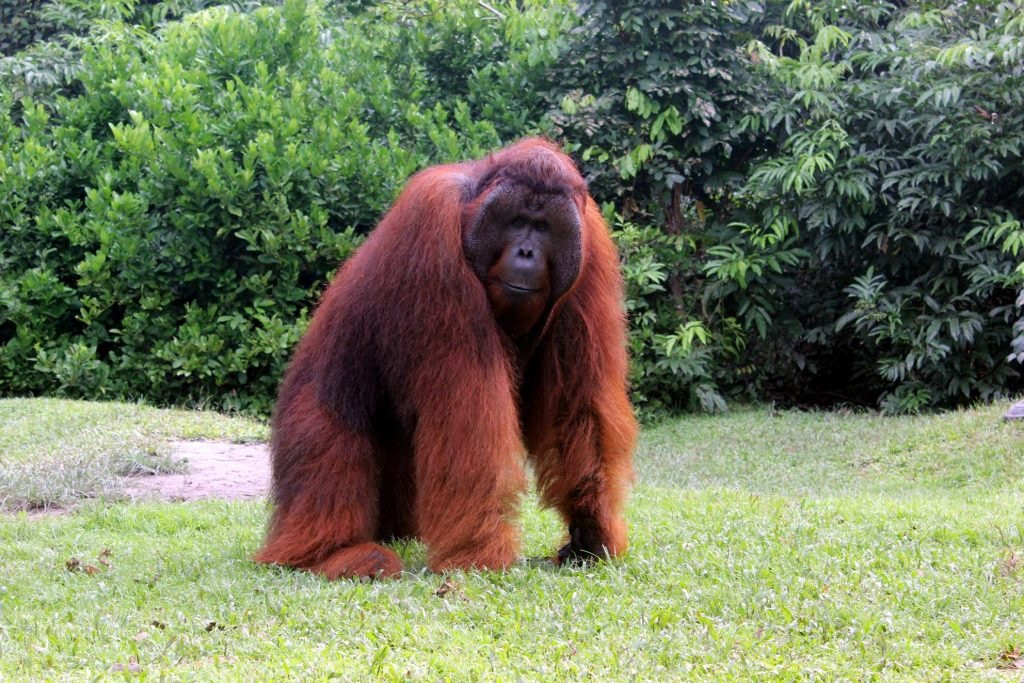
215, 469
765, 545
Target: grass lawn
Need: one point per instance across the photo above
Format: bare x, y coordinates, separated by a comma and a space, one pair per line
54, 452
765, 546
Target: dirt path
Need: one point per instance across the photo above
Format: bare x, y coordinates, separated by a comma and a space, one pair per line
216, 469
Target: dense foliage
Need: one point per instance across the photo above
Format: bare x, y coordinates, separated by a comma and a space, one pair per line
901, 177
166, 230
20, 26
653, 99
834, 207
43, 38
815, 202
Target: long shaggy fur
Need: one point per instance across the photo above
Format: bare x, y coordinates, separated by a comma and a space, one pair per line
406, 409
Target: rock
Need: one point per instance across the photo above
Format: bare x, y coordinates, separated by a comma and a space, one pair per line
1015, 412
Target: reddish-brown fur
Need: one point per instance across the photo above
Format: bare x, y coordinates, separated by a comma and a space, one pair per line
407, 409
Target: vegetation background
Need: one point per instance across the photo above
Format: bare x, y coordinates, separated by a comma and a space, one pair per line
816, 203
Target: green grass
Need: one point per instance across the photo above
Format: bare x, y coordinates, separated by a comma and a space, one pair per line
765, 546
54, 452
798, 453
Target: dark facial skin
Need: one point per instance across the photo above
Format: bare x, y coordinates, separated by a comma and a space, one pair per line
518, 284
525, 247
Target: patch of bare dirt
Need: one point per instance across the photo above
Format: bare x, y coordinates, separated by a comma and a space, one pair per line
215, 469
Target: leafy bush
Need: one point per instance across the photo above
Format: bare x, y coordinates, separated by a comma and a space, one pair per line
666, 360
901, 177
42, 37
822, 201
167, 228
815, 202
652, 99
21, 25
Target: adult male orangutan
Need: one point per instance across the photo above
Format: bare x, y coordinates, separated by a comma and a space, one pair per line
481, 320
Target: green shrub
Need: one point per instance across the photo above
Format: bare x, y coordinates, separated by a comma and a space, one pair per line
669, 349
42, 37
900, 175
651, 95
21, 26
815, 202
167, 229
822, 201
